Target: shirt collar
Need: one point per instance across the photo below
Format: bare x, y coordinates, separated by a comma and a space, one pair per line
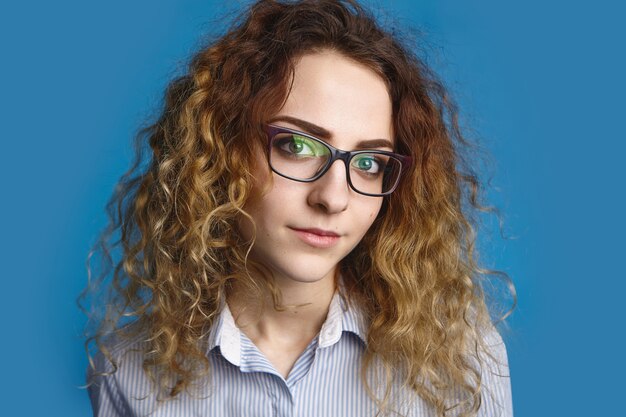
226, 335
342, 317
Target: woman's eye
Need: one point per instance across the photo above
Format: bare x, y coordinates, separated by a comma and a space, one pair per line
296, 147
368, 164
300, 146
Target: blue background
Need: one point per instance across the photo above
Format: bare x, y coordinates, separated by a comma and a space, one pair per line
541, 83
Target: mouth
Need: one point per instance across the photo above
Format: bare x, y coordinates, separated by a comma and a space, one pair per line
317, 238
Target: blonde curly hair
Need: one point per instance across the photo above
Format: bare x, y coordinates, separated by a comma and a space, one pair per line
172, 249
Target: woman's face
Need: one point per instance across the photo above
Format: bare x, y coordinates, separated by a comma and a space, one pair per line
305, 229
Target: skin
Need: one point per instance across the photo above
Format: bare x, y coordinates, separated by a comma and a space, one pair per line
350, 102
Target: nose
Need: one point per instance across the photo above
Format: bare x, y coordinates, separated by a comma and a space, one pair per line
331, 192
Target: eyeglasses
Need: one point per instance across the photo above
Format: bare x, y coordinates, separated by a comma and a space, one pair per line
301, 157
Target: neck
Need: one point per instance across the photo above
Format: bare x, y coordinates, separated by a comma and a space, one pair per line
299, 317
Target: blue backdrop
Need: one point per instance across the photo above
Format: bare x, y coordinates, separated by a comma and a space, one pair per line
541, 84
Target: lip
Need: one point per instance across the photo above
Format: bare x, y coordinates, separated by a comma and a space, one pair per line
317, 238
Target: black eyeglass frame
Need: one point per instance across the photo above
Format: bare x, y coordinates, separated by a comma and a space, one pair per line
335, 154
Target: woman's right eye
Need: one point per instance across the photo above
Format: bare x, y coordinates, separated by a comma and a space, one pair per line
299, 146
296, 146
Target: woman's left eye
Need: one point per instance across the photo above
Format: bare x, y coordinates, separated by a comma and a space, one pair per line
367, 164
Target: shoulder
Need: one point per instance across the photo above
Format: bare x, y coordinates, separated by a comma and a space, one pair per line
495, 375
116, 378
116, 356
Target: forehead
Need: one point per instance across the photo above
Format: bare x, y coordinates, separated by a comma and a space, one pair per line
344, 97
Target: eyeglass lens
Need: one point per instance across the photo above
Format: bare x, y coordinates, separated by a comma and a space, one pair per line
303, 158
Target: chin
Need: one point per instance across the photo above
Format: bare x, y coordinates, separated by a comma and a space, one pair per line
305, 272
294, 265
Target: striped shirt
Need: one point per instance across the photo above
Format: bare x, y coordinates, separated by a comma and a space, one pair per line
325, 381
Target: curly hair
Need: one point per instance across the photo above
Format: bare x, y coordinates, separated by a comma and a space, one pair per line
172, 249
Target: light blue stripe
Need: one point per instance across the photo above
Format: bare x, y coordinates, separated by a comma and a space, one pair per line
325, 380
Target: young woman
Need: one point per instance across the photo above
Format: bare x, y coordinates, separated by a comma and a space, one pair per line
299, 241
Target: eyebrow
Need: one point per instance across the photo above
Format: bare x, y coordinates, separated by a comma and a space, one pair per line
325, 134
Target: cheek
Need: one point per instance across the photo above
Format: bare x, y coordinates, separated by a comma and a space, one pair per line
369, 214
262, 187
255, 210
269, 203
